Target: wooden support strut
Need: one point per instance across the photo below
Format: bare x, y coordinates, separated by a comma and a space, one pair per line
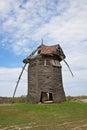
30, 56
67, 66
62, 56
18, 81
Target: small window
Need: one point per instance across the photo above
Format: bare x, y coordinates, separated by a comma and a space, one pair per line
55, 63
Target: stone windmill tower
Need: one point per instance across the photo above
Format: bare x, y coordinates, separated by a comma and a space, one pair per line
45, 74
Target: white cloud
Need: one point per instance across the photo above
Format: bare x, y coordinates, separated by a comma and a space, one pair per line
8, 79
63, 22
4, 7
76, 85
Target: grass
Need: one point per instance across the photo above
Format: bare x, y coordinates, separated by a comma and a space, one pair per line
68, 115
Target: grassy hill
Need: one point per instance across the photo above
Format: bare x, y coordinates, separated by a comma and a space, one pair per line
68, 115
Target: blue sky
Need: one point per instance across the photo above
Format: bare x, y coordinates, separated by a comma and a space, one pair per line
23, 23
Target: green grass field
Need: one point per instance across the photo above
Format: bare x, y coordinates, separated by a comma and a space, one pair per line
68, 115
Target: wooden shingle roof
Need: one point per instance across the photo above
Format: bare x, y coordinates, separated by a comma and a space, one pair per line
54, 50
48, 49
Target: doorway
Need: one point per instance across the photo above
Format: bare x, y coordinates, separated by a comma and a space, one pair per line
46, 96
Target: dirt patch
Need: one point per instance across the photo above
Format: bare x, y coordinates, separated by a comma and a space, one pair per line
83, 100
78, 125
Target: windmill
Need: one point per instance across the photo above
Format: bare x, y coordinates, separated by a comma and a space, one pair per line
45, 74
